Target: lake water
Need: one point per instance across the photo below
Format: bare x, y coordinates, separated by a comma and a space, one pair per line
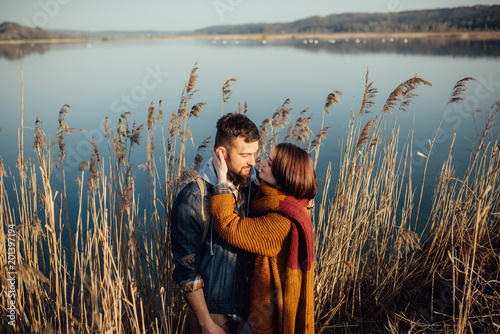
109, 78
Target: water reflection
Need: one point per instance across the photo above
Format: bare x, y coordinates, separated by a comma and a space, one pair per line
431, 46
420, 46
13, 51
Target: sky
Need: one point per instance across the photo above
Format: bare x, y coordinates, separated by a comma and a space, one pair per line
188, 15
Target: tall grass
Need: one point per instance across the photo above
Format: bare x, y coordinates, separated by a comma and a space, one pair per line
374, 273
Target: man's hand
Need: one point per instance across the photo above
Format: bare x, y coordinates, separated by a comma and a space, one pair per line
197, 301
212, 329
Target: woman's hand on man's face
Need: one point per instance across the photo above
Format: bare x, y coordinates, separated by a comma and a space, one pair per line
219, 164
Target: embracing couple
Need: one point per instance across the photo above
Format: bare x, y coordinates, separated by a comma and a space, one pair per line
246, 265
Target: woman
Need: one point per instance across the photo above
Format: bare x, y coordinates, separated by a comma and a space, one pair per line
281, 236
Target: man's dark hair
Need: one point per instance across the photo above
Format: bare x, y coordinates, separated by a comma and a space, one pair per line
232, 126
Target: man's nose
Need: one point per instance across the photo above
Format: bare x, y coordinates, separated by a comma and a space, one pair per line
251, 160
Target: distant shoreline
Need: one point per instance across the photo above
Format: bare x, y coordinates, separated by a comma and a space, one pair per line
481, 35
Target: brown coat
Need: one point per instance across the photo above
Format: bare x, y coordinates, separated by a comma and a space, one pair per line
282, 299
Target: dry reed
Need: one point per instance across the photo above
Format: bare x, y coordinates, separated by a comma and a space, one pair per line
374, 273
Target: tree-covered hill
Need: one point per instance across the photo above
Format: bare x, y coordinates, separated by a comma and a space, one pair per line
14, 31
475, 18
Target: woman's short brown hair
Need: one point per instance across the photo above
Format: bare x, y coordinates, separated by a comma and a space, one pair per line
294, 172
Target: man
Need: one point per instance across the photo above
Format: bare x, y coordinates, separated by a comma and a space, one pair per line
212, 274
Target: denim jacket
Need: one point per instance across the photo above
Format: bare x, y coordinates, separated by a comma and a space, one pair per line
224, 268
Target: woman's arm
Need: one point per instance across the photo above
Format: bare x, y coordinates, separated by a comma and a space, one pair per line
263, 235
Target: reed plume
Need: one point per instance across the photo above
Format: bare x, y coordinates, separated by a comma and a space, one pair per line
270, 129
2, 168
364, 136
243, 110
196, 109
198, 159
39, 142
300, 132
404, 94
368, 96
226, 93
331, 99
459, 90
93, 180
193, 77
83, 166
151, 120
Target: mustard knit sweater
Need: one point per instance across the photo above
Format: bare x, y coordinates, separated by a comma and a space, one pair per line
282, 299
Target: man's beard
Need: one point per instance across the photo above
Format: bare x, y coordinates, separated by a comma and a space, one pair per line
237, 178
